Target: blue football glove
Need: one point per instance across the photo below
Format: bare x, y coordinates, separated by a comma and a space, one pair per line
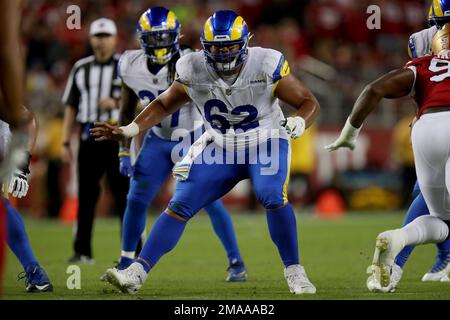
125, 168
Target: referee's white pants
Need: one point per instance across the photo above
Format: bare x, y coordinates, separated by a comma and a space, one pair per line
431, 144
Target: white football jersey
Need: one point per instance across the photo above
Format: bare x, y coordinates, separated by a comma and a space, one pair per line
244, 113
5, 137
420, 42
147, 86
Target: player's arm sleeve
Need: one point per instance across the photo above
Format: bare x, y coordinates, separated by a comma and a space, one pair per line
276, 67
412, 66
184, 72
71, 96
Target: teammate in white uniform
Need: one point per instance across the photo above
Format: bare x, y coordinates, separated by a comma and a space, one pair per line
236, 89
146, 73
17, 239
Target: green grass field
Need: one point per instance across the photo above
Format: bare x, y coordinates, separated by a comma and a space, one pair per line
335, 253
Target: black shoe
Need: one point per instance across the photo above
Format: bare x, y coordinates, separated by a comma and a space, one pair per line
237, 272
81, 259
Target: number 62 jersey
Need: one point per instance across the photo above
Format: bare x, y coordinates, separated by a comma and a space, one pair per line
432, 82
244, 113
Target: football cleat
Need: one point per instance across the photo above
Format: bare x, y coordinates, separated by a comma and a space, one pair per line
387, 246
225, 28
440, 270
120, 265
81, 259
159, 34
36, 279
237, 272
129, 280
439, 13
298, 281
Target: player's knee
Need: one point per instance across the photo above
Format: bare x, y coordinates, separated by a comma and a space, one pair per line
180, 210
270, 198
447, 222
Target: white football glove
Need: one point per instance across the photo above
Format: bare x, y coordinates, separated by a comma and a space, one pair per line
18, 186
347, 139
444, 54
295, 126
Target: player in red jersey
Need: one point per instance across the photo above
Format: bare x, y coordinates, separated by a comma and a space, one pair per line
427, 79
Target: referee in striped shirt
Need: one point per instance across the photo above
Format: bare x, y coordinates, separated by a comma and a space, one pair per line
92, 94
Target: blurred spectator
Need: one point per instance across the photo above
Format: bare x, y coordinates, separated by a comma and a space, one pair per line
403, 153
54, 139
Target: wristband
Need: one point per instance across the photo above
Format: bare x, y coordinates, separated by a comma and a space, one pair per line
124, 152
26, 166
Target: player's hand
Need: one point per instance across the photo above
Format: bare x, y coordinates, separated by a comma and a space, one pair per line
295, 126
347, 138
18, 186
444, 54
104, 131
107, 104
125, 167
16, 155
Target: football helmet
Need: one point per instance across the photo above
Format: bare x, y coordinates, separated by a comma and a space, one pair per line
159, 34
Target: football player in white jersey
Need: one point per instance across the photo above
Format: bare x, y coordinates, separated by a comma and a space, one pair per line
36, 280
145, 74
419, 44
237, 91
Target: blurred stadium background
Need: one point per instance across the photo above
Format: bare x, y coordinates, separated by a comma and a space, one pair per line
329, 47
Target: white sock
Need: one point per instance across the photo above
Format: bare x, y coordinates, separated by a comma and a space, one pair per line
426, 229
128, 254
